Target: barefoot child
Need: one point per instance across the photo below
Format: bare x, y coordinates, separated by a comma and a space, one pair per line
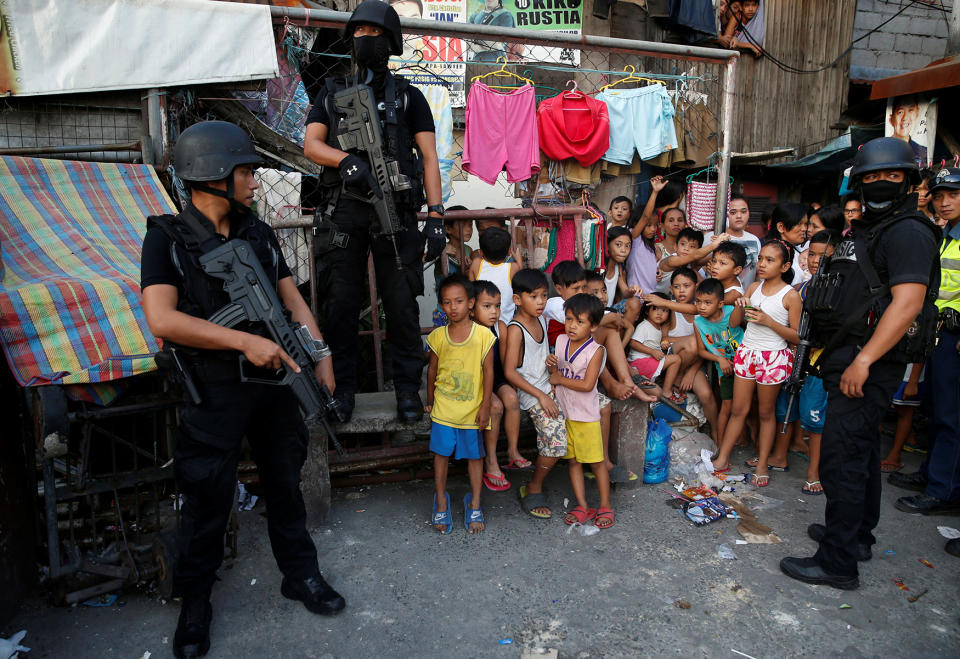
764, 360
679, 335
505, 406
574, 371
645, 353
459, 391
718, 336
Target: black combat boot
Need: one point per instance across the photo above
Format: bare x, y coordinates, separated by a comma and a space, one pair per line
409, 406
315, 593
192, 638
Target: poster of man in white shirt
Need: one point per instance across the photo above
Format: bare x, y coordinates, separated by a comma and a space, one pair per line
913, 120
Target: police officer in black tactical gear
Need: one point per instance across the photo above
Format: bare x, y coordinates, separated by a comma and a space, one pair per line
872, 310
214, 159
347, 227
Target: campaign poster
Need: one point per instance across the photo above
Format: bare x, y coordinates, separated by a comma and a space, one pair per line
546, 15
441, 57
913, 119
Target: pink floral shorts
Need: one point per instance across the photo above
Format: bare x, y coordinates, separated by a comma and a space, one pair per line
764, 366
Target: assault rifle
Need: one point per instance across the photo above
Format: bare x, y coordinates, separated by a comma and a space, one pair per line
358, 129
254, 300
798, 376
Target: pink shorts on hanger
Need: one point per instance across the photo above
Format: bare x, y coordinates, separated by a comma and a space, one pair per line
501, 131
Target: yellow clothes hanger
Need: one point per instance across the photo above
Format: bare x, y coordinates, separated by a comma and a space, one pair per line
633, 77
502, 71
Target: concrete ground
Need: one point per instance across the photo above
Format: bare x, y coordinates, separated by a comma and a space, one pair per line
653, 585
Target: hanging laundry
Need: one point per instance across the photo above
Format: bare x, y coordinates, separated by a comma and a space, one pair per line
569, 172
691, 21
613, 169
574, 125
641, 120
501, 132
563, 244
676, 156
438, 98
702, 204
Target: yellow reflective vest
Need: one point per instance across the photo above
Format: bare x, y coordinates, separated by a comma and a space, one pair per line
949, 297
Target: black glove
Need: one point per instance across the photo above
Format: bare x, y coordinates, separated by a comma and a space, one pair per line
435, 236
356, 174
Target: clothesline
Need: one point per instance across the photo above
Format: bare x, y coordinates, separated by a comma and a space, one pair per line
528, 64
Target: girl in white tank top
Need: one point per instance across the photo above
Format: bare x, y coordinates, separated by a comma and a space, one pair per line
764, 359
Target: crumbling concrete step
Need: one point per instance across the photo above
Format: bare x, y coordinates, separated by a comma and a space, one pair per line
377, 412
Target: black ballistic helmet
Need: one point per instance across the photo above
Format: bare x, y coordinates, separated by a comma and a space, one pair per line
885, 153
375, 12
210, 150
946, 179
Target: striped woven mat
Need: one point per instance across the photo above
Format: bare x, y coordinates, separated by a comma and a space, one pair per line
70, 239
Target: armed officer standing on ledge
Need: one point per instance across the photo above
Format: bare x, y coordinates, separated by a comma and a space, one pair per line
873, 310
347, 226
214, 159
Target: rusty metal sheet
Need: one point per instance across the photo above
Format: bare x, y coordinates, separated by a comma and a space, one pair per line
936, 75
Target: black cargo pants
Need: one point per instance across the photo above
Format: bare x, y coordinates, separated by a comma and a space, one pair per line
205, 465
850, 459
342, 271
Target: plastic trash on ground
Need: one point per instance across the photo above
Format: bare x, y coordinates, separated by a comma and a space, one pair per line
11, 646
686, 452
949, 532
245, 500
724, 552
656, 465
583, 529
704, 511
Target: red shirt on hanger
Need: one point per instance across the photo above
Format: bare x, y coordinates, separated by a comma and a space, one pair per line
574, 125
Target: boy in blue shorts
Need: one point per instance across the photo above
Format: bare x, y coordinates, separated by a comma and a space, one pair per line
718, 334
811, 408
459, 395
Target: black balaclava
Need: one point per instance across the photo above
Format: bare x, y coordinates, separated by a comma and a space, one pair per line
879, 196
372, 54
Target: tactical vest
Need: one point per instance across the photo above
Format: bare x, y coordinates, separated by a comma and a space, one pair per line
200, 294
400, 143
837, 322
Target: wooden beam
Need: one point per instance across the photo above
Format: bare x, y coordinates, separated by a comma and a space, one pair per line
265, 137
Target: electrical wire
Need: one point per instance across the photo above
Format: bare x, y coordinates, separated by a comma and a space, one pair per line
789, 68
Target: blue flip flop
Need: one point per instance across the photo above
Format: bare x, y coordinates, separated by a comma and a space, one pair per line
445, 517
470, 515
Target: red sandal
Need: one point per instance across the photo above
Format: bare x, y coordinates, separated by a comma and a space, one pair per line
604, 513
580, 515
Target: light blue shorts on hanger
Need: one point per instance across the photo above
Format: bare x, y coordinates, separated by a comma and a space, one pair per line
641, 120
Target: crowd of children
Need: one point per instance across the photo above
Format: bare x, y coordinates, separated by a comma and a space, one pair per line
669, 302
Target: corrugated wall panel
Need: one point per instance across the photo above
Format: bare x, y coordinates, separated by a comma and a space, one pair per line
776, 108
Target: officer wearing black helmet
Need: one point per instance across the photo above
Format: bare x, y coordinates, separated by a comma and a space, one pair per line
938, 479
215, 160
345, 226
872, 309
